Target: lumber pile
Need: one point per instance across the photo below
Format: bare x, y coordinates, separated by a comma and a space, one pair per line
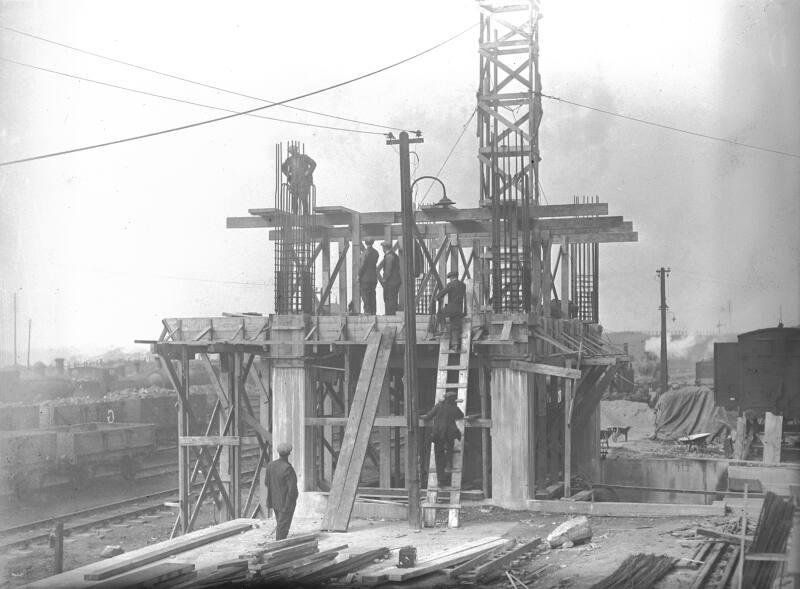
299, 562
434, 563
638, 570
486, 567
767, 553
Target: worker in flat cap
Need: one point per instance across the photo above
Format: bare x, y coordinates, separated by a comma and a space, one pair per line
455, 309
444, 433
281, 481
391, 279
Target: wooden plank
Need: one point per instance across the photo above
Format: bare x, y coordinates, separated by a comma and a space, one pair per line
486, 570
599, 237
546, 369
246, 223
620, 509
599, 360
288, 554
766, 557
568, 402
353, 421
479, 560
440, 562
722, 536
148, 576
351, 564
209, 441
355, 258
362, 411
280, 544
773, 435
709, 565
126, 562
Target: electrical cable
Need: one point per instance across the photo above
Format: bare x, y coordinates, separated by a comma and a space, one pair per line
452, 149
183, 79
669, 128
241, 113
181, 100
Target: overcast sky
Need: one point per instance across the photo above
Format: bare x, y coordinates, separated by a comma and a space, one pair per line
100, 245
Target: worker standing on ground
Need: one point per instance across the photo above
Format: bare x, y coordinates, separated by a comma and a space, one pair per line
444, 434
391, 280
368, 277
299, 171
454, 310
281, 482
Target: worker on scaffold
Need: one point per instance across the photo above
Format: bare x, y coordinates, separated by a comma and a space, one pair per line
392, 278
299, 171
454, 310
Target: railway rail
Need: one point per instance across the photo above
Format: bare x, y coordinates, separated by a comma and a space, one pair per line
85, 519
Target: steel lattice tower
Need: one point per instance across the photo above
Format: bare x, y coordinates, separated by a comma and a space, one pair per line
509, 114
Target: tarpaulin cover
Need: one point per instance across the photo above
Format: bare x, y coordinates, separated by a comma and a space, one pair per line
689, 410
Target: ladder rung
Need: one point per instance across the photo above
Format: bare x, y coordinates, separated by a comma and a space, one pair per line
441, 505
453, 367
452, 385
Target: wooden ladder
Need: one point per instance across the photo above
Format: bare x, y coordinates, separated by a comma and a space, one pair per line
433, 501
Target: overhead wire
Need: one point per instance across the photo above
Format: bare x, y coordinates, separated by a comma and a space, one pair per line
452, 149
240, 113
668, 127
183, 101
195, 82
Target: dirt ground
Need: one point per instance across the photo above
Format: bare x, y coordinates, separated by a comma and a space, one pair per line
577, 567
641, 420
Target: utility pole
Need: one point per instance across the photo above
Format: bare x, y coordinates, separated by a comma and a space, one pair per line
410, 320
664, 375
28, 362
15, 330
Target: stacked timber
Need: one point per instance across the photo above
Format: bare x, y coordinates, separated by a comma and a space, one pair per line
434, 563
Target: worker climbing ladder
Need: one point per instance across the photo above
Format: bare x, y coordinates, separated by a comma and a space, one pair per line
452, 375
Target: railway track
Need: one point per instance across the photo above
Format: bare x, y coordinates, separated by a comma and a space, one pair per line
85, 519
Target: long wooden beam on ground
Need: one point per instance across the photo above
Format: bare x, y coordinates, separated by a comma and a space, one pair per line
138, 558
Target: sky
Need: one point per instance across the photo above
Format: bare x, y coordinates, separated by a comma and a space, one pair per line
98, 246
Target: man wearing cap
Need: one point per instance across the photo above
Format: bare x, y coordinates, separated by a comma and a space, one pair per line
368, 277
444, 432
281, 482
391, 280
454, 310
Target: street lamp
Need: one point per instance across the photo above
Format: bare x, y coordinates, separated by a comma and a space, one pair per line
444, 202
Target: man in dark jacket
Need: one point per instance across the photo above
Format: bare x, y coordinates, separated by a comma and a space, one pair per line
391, 278
454, 311
444, 433
368, 277
299, 171
281, 481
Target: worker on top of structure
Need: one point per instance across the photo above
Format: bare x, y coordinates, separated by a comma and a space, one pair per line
444, 433
391, 280
281, 482
368, 277
299, 171
455, 309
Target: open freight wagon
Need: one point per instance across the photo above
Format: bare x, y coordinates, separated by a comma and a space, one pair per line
34, 459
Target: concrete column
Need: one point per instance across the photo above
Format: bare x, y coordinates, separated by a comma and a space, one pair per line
290, 401
510, 448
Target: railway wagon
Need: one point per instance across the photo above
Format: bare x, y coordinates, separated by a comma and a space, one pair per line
760, 372
33, 459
